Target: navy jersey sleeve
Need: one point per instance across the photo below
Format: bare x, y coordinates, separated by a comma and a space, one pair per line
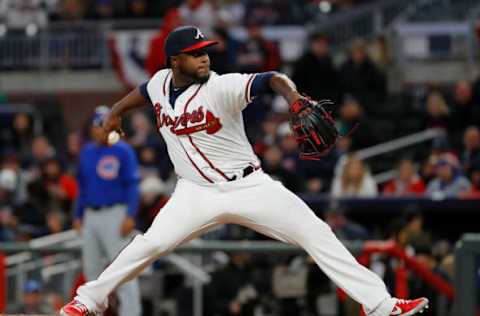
143, 91
130, 178
261, 84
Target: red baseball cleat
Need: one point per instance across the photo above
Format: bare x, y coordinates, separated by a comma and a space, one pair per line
75, 308
409, 307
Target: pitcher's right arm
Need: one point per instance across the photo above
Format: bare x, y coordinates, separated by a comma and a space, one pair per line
134, 100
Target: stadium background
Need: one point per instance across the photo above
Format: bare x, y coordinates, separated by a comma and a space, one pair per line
406, 70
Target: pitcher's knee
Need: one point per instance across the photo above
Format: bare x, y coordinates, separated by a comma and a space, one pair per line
156, 247
320, 226
316, 232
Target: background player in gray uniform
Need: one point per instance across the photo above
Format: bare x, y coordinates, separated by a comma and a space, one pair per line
106, 207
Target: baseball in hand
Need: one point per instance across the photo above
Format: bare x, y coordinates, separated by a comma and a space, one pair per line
113, 137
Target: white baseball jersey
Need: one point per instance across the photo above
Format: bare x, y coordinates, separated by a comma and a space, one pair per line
204, 129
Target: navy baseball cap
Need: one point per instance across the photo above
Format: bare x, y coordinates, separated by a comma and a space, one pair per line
185, 39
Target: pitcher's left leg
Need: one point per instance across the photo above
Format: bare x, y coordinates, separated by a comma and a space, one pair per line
285, 216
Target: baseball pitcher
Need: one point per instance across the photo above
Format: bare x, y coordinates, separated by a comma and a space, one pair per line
199, 114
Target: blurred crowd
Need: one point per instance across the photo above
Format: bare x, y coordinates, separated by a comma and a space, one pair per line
38, 166
18, 14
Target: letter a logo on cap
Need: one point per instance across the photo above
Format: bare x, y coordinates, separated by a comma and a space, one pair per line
199, 34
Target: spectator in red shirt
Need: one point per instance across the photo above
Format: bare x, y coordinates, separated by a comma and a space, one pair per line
59, 184
56, 189
50, 199
156, 58
408, 182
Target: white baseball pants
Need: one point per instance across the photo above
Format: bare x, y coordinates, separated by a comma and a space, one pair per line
257, 202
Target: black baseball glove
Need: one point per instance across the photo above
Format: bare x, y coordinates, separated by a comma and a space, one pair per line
313, 127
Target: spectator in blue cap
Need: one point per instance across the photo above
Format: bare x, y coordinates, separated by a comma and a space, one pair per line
449, 180
33, 302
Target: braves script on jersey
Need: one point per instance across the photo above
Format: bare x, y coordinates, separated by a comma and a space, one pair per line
204, 129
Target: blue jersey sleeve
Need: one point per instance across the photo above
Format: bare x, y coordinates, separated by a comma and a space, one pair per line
130, 178
261, 84
143, 91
